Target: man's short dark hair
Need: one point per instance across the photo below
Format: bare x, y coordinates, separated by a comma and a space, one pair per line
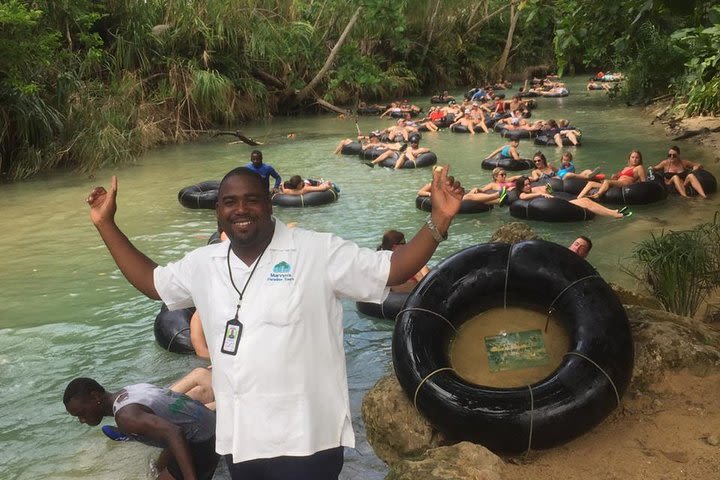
589, 242
255, 152
243, 172
81, 386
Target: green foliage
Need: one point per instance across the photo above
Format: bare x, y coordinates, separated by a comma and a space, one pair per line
701, 80
657, 65
25, 50
362, 77
86, 83
680, 268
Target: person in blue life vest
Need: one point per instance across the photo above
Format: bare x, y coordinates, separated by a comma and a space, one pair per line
269, 299
263, 169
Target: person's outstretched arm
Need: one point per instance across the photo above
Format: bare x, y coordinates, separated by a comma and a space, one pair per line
276, 176
494, 152
446, 194
135, 265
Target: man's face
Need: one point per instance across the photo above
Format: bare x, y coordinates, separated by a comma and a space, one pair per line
86, 409
580, 246
243, 210
256, 159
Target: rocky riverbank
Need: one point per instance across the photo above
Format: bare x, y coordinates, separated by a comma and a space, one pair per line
702, 130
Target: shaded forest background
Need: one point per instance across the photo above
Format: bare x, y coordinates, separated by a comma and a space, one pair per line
87, 83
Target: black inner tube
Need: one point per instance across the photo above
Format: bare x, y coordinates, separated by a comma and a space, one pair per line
574, 398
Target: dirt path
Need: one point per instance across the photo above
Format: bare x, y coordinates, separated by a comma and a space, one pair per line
666, 433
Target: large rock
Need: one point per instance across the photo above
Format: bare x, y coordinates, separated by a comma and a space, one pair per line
394, 428
628, 297
665, 341
398, 433
514, 232
462, 461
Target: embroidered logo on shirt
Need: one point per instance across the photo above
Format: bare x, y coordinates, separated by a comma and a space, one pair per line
281, 273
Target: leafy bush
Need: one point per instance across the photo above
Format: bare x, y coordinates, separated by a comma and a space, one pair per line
679, 268
701, 81
657, 65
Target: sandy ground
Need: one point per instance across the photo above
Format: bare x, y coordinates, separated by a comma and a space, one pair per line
669, 432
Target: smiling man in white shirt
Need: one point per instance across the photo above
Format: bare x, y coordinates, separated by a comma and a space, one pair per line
269, 300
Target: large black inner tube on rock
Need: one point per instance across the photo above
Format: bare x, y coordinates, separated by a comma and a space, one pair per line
200, 195
307, 200
172, 329
507, 163
423, 160
387, 310
573, 399
553, 209
466, 206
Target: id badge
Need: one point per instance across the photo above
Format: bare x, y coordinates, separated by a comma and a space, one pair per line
231, 339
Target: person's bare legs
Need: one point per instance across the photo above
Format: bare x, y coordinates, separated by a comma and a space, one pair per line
586, 189
470, 126
572, 137
340, 145
383, 156
197, 385
695, 183
586, 174
477, 196
679, 185
596, 208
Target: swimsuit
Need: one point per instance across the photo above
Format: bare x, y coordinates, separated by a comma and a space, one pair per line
545, 177
505, 152
627, 172
561, 173
669, 175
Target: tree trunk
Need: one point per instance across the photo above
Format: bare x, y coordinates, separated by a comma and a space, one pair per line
268, 79
487, 17
330, 106
305, 92
431, 28
502, 63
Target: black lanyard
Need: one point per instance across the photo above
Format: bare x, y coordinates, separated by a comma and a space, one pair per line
246, 283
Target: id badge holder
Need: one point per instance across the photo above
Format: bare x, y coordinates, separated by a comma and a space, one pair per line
231, 339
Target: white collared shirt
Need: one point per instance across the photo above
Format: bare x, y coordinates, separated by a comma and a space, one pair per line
285, 392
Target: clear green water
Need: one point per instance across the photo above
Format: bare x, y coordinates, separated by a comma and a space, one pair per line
67, 311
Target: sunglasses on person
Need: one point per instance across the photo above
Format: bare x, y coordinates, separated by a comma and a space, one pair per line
672, 154
501, 174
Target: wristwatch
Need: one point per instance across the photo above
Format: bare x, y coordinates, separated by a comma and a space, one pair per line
437, 236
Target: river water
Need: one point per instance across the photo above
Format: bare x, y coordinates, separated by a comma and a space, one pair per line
67, 310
